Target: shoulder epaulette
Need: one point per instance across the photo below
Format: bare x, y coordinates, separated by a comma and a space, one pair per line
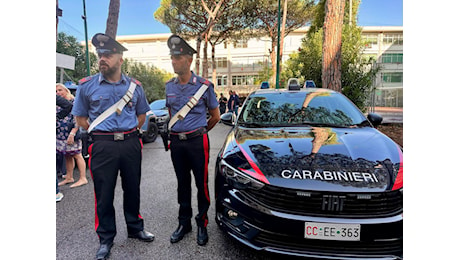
172, 79
83, 80
136, 81
205, 81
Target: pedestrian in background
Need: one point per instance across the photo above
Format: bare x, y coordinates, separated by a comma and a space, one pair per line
189, 138
222, 103
116, 144
66, 144
65, 108
233, 103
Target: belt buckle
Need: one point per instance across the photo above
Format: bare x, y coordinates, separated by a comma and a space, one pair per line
118, 136
182, 136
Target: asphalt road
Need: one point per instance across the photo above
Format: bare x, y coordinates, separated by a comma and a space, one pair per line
77, 239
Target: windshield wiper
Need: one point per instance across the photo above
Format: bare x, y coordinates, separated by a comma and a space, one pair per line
324, 124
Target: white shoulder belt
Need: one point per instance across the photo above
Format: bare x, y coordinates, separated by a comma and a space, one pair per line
180, 115
117, 107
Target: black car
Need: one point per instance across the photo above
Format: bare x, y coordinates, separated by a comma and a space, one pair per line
155, 121
305, 173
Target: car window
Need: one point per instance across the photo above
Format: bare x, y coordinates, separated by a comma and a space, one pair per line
298, 108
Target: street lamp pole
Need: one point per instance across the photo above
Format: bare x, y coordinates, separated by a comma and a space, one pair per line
277, 84
86, 39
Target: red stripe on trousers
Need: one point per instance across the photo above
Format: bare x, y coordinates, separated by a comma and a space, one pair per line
206, 162
96, 218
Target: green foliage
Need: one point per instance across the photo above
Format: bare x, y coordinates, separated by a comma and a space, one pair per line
358, 70
306, 64
68, 45
153, 79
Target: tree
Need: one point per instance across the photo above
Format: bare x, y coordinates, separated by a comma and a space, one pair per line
67, 44
332, 46
228, 27
358, 71
265, 13
186, 18
112, 19
153, 79
192, 19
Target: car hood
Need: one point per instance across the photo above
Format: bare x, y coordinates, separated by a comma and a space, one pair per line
316, 158
160, 113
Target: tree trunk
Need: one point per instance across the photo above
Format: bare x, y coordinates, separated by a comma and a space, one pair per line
204, 74
214, 67
273, 59
332, 45
198, 49
112, 19
283, 28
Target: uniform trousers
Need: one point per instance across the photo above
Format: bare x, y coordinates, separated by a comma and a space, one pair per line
107, 158
191, 155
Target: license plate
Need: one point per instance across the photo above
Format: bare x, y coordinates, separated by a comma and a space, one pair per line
332, 231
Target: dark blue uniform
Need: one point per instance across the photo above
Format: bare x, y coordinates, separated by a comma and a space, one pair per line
190, 146
109, 156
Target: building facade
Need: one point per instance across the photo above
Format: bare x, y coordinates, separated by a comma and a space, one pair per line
239, 64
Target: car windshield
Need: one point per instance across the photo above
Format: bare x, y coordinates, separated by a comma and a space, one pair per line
158, 105
315, 108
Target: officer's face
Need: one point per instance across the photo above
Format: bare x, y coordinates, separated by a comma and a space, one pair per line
181, 63
109, 63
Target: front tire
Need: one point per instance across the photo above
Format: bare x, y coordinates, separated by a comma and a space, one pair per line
151, 134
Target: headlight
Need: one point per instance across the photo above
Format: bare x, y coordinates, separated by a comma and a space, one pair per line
239, 179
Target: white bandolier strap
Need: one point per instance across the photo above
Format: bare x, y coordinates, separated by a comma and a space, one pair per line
117, 107
180, 115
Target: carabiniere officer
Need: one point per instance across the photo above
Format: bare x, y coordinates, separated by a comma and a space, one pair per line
116, 144
189, 138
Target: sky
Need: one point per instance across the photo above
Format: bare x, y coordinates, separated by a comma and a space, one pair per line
136, 16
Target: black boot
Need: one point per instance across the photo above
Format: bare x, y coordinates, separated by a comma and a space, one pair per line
180, 233
143, 236
202, 236
104, 251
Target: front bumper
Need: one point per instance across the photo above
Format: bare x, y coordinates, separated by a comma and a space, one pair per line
261, 228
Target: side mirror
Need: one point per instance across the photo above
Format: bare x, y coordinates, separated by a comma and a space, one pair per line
227, 118
375, 119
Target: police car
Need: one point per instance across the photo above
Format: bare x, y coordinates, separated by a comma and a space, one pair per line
155, 120
303, 172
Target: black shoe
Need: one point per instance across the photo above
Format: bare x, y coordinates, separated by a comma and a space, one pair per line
180, 233
143, 236
202, 236
104, 251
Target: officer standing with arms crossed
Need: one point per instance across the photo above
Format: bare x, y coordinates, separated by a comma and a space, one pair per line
189, 138
116, 144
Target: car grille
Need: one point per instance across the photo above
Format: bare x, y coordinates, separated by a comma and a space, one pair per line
327, 204
388, 247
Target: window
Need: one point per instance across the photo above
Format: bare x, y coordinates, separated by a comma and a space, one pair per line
370, 39
221, 62
393, 38
392, 58
238, 80
240, 44
222, 80
392, 77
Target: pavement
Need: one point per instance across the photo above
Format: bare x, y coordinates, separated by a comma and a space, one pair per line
75, 218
